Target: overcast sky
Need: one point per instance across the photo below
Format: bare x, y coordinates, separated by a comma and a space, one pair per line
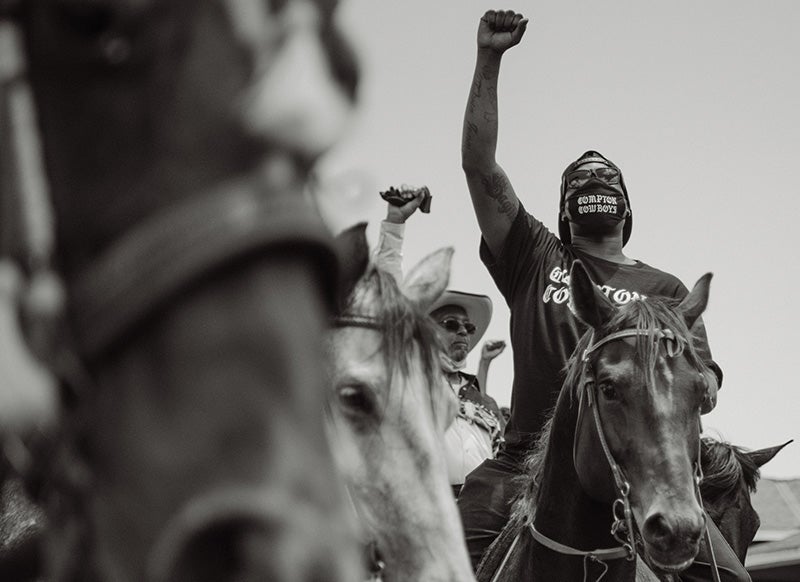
697, 102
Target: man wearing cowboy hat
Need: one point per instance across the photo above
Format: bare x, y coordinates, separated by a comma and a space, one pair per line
530, 266
476, 433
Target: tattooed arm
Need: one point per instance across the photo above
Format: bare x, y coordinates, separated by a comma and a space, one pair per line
493, 198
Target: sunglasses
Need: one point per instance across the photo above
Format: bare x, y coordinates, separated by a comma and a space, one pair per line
453, 325
578, 178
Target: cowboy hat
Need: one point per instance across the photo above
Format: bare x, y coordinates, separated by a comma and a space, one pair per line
478, 308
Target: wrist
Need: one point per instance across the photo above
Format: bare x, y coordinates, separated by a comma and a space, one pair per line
489, 54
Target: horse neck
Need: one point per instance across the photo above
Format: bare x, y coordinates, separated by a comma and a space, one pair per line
566, 514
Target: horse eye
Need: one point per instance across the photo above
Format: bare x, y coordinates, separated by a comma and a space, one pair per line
356, 400
608, 391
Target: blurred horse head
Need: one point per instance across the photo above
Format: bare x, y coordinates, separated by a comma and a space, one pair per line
388, 414
176, 137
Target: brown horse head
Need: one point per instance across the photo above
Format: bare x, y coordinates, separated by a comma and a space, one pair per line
641, 389
177, 136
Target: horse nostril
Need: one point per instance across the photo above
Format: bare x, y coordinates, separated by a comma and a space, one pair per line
657, 529
666, 533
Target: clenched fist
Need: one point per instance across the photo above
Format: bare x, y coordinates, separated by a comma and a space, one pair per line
499, 30
492, 348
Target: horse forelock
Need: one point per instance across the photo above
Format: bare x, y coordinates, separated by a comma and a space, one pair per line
401, 325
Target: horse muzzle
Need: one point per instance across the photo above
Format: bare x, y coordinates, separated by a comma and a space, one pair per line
672, 540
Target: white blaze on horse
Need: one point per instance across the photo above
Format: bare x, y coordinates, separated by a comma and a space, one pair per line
388, 415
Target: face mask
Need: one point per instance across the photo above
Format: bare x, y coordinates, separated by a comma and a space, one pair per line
596, 207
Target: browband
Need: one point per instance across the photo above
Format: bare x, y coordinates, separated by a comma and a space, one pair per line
659, 334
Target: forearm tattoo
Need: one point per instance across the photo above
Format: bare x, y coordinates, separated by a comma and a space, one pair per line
482, 102
475, 94
470, 132
496, 187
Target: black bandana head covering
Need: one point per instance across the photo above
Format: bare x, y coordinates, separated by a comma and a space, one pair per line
563, 224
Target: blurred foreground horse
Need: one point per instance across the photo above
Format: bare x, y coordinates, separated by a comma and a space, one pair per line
389, 410
173, 139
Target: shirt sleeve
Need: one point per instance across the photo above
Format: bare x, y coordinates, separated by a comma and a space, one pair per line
388, 254
527, 242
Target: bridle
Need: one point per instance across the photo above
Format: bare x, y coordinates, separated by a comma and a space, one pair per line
623, 525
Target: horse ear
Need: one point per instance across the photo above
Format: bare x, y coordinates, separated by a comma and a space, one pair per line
763, 456
353, 252
696, 301
591, 305
428, 279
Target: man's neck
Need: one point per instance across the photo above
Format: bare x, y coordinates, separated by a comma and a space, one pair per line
608, 248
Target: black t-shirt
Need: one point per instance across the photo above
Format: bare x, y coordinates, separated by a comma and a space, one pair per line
532, 274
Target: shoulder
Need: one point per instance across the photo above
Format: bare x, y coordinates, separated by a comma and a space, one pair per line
666, 283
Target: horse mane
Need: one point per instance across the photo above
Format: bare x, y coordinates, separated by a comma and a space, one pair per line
647, 315
400, 321
726, 468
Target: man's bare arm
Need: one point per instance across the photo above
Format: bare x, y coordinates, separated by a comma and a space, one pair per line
493, 197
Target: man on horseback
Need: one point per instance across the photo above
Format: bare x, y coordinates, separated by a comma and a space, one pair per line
531, 266
476, 433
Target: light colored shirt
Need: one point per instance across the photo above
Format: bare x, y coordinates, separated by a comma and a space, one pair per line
466, 443
388, 254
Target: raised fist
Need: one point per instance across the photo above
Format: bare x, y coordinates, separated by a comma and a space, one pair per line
492, 348
399, 214
499, 30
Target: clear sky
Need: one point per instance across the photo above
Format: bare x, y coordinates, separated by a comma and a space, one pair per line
697, 102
